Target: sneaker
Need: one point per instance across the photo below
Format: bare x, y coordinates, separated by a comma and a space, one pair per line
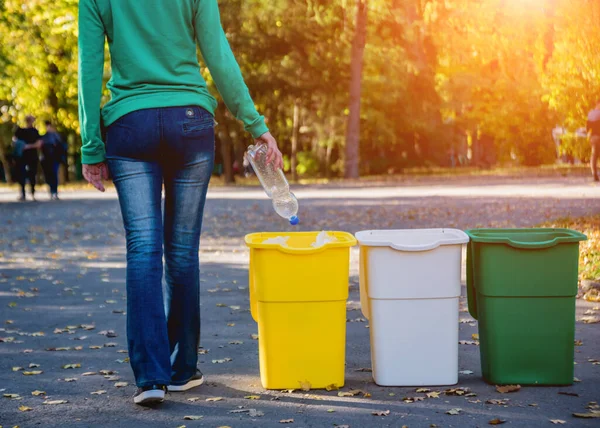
196, 380
21, 198
148, 395
54, 197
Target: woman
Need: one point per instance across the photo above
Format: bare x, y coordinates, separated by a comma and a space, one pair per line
160, 130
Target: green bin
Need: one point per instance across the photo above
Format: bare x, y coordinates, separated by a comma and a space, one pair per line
521, 286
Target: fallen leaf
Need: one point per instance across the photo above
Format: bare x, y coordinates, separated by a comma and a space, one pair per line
110, 345
286, 421
576, 379
107, 372
466, 372
23, 408
71, 366
497, 421
351, 393
33, 365
121, 384
32, 373
475, 336
434, 394
221, 305
100, 392
16, 369
71, 379
231, 324
423, 390
235, 308
508, 388
37, 393
212, 399
221, 361
457, 391
468, 342
578, 342
252, 397
192, 418
498, 402
558, 421
570, 394
587, 415
54, 402
410, 400
13, 396
89, 374
332, 387
95, 347
454, 412
364, 369
203, 351
330, 411
236, 342
305, 386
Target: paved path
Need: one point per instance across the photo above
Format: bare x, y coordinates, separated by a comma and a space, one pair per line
62, 266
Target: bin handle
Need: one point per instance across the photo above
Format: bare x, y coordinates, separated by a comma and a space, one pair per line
471, 291
362, 280
253, 302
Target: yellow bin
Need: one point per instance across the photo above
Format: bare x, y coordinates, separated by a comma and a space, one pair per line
298, 298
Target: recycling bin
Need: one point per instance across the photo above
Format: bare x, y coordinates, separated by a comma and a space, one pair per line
410, 289
521, 286
298, 296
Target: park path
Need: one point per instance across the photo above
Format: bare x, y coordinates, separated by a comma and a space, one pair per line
62, 286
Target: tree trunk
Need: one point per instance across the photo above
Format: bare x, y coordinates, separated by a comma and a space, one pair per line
295, 129
356, 66
4, 161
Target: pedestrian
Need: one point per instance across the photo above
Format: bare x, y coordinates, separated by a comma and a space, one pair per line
27, 141
593, 128
160, 129
53, 151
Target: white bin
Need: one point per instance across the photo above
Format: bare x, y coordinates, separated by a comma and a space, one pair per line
409, 292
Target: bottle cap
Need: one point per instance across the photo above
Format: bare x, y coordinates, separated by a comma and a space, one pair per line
294, 220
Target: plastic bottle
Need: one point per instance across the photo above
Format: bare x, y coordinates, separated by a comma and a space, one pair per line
274, 182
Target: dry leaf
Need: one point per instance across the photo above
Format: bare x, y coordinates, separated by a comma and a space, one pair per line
576, 379
25, 408
468, 342
33, 366
410, 400
497, 421
286, 421
498, 402
454, 412
89, 374
590, 320
32, 373
54, 402
305, 386
211, 399
254, 336
71, 366
587, 415
221, 305
37, 393
71, 379
558, 421
16, 369
578, 342
466, 372
121, 384
332, 387
458, 391
475, 336
434, 394
221, 361
236, 342
252, 397
364, 369
508, 388
422, 390
381, 413
192, 418
100, 392
14, 396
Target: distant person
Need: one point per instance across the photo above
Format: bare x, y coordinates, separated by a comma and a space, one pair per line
27, 141
593, 128
53, 151
159, 130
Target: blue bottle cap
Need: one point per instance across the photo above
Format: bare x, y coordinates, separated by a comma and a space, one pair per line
294, 220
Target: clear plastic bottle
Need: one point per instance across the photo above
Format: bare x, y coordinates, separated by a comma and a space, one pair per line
274, 182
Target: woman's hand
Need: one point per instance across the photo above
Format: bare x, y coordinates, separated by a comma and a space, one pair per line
274, 156
94, 174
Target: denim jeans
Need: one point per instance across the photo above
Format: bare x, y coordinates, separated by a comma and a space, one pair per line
50, 168
145, 149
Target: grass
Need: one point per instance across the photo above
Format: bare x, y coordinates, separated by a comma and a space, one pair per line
589, 258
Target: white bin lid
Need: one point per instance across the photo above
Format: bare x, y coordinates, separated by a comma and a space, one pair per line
412, 239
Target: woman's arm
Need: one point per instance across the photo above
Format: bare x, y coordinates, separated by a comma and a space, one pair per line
223, 67
91, 70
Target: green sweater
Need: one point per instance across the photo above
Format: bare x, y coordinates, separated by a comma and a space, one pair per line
154, 63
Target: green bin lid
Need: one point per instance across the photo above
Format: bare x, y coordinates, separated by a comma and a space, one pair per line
526, 238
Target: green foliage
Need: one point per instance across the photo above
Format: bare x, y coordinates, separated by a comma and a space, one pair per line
504, 72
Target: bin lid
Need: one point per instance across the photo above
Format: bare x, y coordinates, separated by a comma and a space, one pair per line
412, 239
299, 242
526, 238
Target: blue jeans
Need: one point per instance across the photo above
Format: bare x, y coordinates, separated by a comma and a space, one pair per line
145, 149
